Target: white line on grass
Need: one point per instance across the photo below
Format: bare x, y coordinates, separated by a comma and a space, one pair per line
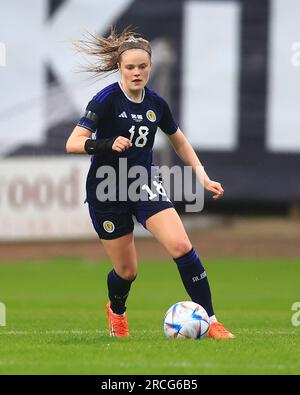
52, 332
240, 331
71, 332
252, 331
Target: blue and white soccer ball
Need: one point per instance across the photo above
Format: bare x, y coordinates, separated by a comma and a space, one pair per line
186, 320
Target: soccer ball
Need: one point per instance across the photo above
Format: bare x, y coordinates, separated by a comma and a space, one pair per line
186, 320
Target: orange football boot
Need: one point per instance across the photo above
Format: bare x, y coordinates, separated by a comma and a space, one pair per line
117, 324
217, 331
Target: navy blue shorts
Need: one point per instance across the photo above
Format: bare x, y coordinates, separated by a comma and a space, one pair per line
113, 220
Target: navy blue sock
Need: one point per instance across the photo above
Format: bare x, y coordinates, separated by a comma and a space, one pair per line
195, 280
118, 290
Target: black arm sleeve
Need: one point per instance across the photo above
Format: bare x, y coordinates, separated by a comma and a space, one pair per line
94, 147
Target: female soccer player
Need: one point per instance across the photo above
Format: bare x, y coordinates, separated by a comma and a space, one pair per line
124, 117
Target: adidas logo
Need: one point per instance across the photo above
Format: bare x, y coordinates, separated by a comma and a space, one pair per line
123, 115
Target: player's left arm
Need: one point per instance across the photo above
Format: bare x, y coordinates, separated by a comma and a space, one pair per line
186, 153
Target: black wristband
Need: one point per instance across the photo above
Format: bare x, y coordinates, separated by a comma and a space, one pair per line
93, 147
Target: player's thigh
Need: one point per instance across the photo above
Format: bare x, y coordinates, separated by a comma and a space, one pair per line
166, 226
114, 226
122, 253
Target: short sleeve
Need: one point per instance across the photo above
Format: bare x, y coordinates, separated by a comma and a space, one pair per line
167, 123
94, 113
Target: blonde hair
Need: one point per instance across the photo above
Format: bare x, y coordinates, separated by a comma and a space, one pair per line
109, 49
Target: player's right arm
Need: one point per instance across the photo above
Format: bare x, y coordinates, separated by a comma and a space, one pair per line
80, 141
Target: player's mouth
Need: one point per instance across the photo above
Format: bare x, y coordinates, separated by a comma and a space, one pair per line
137, 81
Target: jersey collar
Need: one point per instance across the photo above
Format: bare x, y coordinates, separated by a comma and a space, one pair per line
133, 101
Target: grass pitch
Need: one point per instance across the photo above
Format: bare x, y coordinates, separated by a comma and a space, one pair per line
56, 321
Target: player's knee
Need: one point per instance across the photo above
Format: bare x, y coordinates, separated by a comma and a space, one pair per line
181, 248
129, 274
132, 276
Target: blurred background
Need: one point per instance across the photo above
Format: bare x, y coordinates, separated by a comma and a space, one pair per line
230, 71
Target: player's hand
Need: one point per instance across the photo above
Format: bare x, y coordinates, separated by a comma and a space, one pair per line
121, 144
214, 187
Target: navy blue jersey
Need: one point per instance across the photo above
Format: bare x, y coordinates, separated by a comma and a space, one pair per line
111, 113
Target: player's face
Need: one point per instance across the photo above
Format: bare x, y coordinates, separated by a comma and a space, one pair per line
135, 66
